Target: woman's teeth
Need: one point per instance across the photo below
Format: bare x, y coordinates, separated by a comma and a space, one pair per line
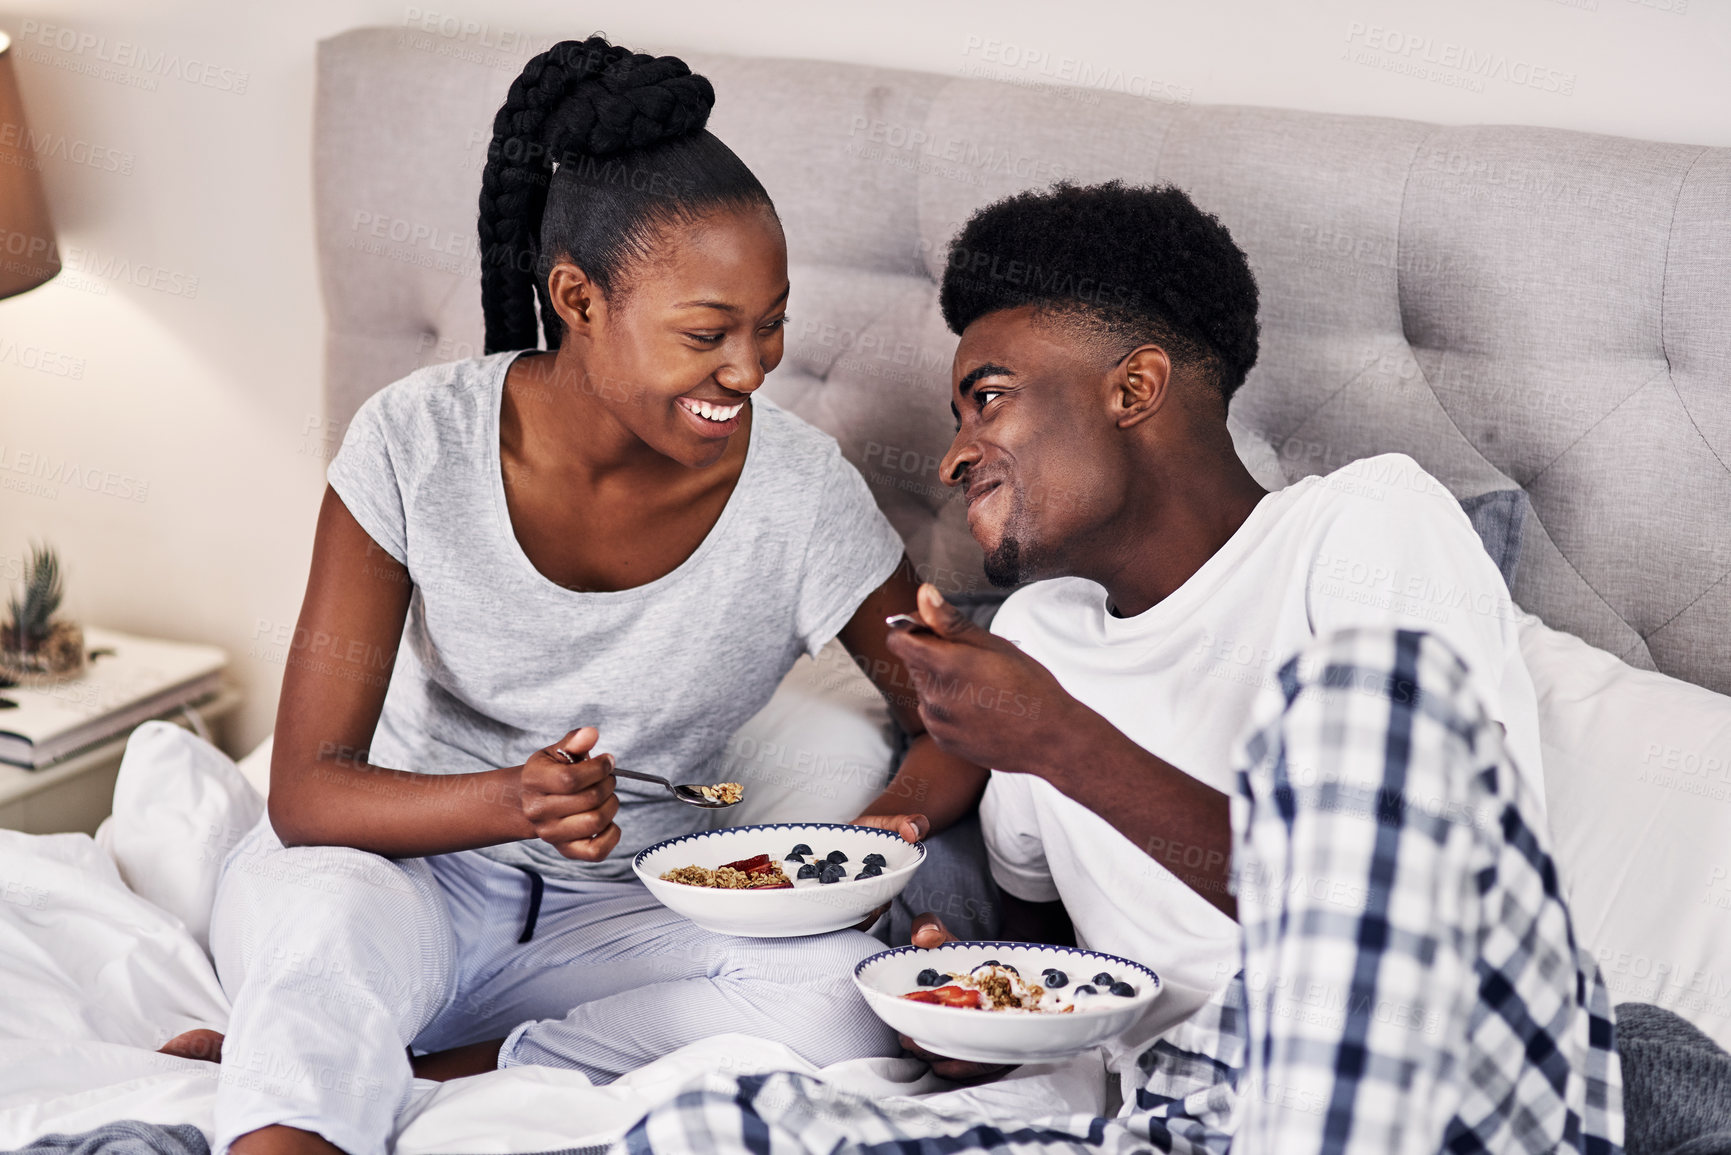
709, 412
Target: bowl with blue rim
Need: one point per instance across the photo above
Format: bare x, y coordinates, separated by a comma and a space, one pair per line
1029, 1002
837, 874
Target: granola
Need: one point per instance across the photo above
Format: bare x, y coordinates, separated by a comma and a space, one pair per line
747, 874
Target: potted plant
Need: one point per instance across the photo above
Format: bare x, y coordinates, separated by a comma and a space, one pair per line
36, 647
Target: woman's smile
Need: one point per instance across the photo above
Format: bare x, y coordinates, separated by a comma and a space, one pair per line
712, 418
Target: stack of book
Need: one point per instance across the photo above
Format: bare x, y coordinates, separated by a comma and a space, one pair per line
128, 680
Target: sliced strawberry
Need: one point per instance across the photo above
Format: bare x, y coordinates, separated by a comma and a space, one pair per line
757, 864
951, 996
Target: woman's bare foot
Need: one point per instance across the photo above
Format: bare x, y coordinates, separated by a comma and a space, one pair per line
196, 1044
474, 1059
458, 1062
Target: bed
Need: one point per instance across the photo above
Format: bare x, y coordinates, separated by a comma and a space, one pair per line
1524, 311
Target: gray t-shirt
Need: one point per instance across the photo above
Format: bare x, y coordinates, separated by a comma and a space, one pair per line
497, 661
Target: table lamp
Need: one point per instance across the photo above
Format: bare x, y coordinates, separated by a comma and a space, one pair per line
28, 255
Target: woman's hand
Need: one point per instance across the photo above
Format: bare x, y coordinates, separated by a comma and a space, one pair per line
568, 798
911, 827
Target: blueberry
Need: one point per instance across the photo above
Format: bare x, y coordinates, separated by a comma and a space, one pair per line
875, 860
870, 872
793, 858
1055, 978
1122, 990
802, 848
931, 978
834, 872
1104, 979
835, 856
809, 870
1085, 989
991, 962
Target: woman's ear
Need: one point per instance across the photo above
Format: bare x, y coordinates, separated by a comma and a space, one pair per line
1140, 384
576, 298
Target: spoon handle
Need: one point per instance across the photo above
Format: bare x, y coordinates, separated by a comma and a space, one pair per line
618, 773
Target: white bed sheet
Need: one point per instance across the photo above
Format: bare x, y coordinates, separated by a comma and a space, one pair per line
95, 978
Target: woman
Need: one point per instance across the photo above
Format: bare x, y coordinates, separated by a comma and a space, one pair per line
611, 540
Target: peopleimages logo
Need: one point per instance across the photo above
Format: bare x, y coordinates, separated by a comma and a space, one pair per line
49, 472
27, 148
1459, 65
99, 56
1006, 60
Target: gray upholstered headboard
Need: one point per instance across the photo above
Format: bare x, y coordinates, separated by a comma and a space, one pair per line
1507, 305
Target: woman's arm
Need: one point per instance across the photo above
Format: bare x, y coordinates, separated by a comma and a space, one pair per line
323, 790
938, 787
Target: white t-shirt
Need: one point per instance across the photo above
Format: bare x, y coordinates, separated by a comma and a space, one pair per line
1379, 542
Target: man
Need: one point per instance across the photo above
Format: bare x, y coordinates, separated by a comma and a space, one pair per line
1280, 747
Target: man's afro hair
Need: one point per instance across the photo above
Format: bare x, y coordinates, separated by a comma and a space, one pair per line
1141, 263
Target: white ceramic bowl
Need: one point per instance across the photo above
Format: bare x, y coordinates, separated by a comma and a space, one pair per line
1002, 1036
808, 908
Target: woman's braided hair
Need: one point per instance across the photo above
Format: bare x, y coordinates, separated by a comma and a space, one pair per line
595, 149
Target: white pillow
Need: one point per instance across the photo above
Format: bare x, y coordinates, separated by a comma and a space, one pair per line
1638, 784
84, 960
818, 751
255, 767
1257, 453
180, 805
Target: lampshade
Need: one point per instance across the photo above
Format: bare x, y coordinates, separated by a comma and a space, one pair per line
28, 255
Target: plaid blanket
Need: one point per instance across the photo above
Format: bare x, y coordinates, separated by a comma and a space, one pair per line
1410, 983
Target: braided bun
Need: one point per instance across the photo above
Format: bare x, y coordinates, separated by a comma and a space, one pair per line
634, 103
576, 103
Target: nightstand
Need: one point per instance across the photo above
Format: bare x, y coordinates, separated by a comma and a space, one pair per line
76, 793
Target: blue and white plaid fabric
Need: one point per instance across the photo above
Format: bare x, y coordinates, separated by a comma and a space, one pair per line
1411, 982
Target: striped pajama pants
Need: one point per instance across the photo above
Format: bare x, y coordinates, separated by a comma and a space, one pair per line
1446, 1007
337, 960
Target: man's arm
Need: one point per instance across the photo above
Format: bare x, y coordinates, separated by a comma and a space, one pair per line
1180, 822
985, 702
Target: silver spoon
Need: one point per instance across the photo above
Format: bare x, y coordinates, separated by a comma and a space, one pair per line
690, 795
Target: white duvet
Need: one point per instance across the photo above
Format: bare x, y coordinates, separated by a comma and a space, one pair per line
93, 978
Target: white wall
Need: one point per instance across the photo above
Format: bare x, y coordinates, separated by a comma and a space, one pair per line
194, 320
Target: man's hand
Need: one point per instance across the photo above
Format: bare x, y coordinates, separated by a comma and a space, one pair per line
930, 933
981, 698
568, 798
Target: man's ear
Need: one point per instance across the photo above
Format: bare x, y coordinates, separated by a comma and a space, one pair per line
576, 298
1140, 385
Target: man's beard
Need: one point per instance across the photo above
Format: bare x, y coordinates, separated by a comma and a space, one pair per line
1003, 564
1014, 559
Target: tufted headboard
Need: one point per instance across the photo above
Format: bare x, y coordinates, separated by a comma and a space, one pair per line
1510, 306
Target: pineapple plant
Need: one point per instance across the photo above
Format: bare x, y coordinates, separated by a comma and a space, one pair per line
35, 645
